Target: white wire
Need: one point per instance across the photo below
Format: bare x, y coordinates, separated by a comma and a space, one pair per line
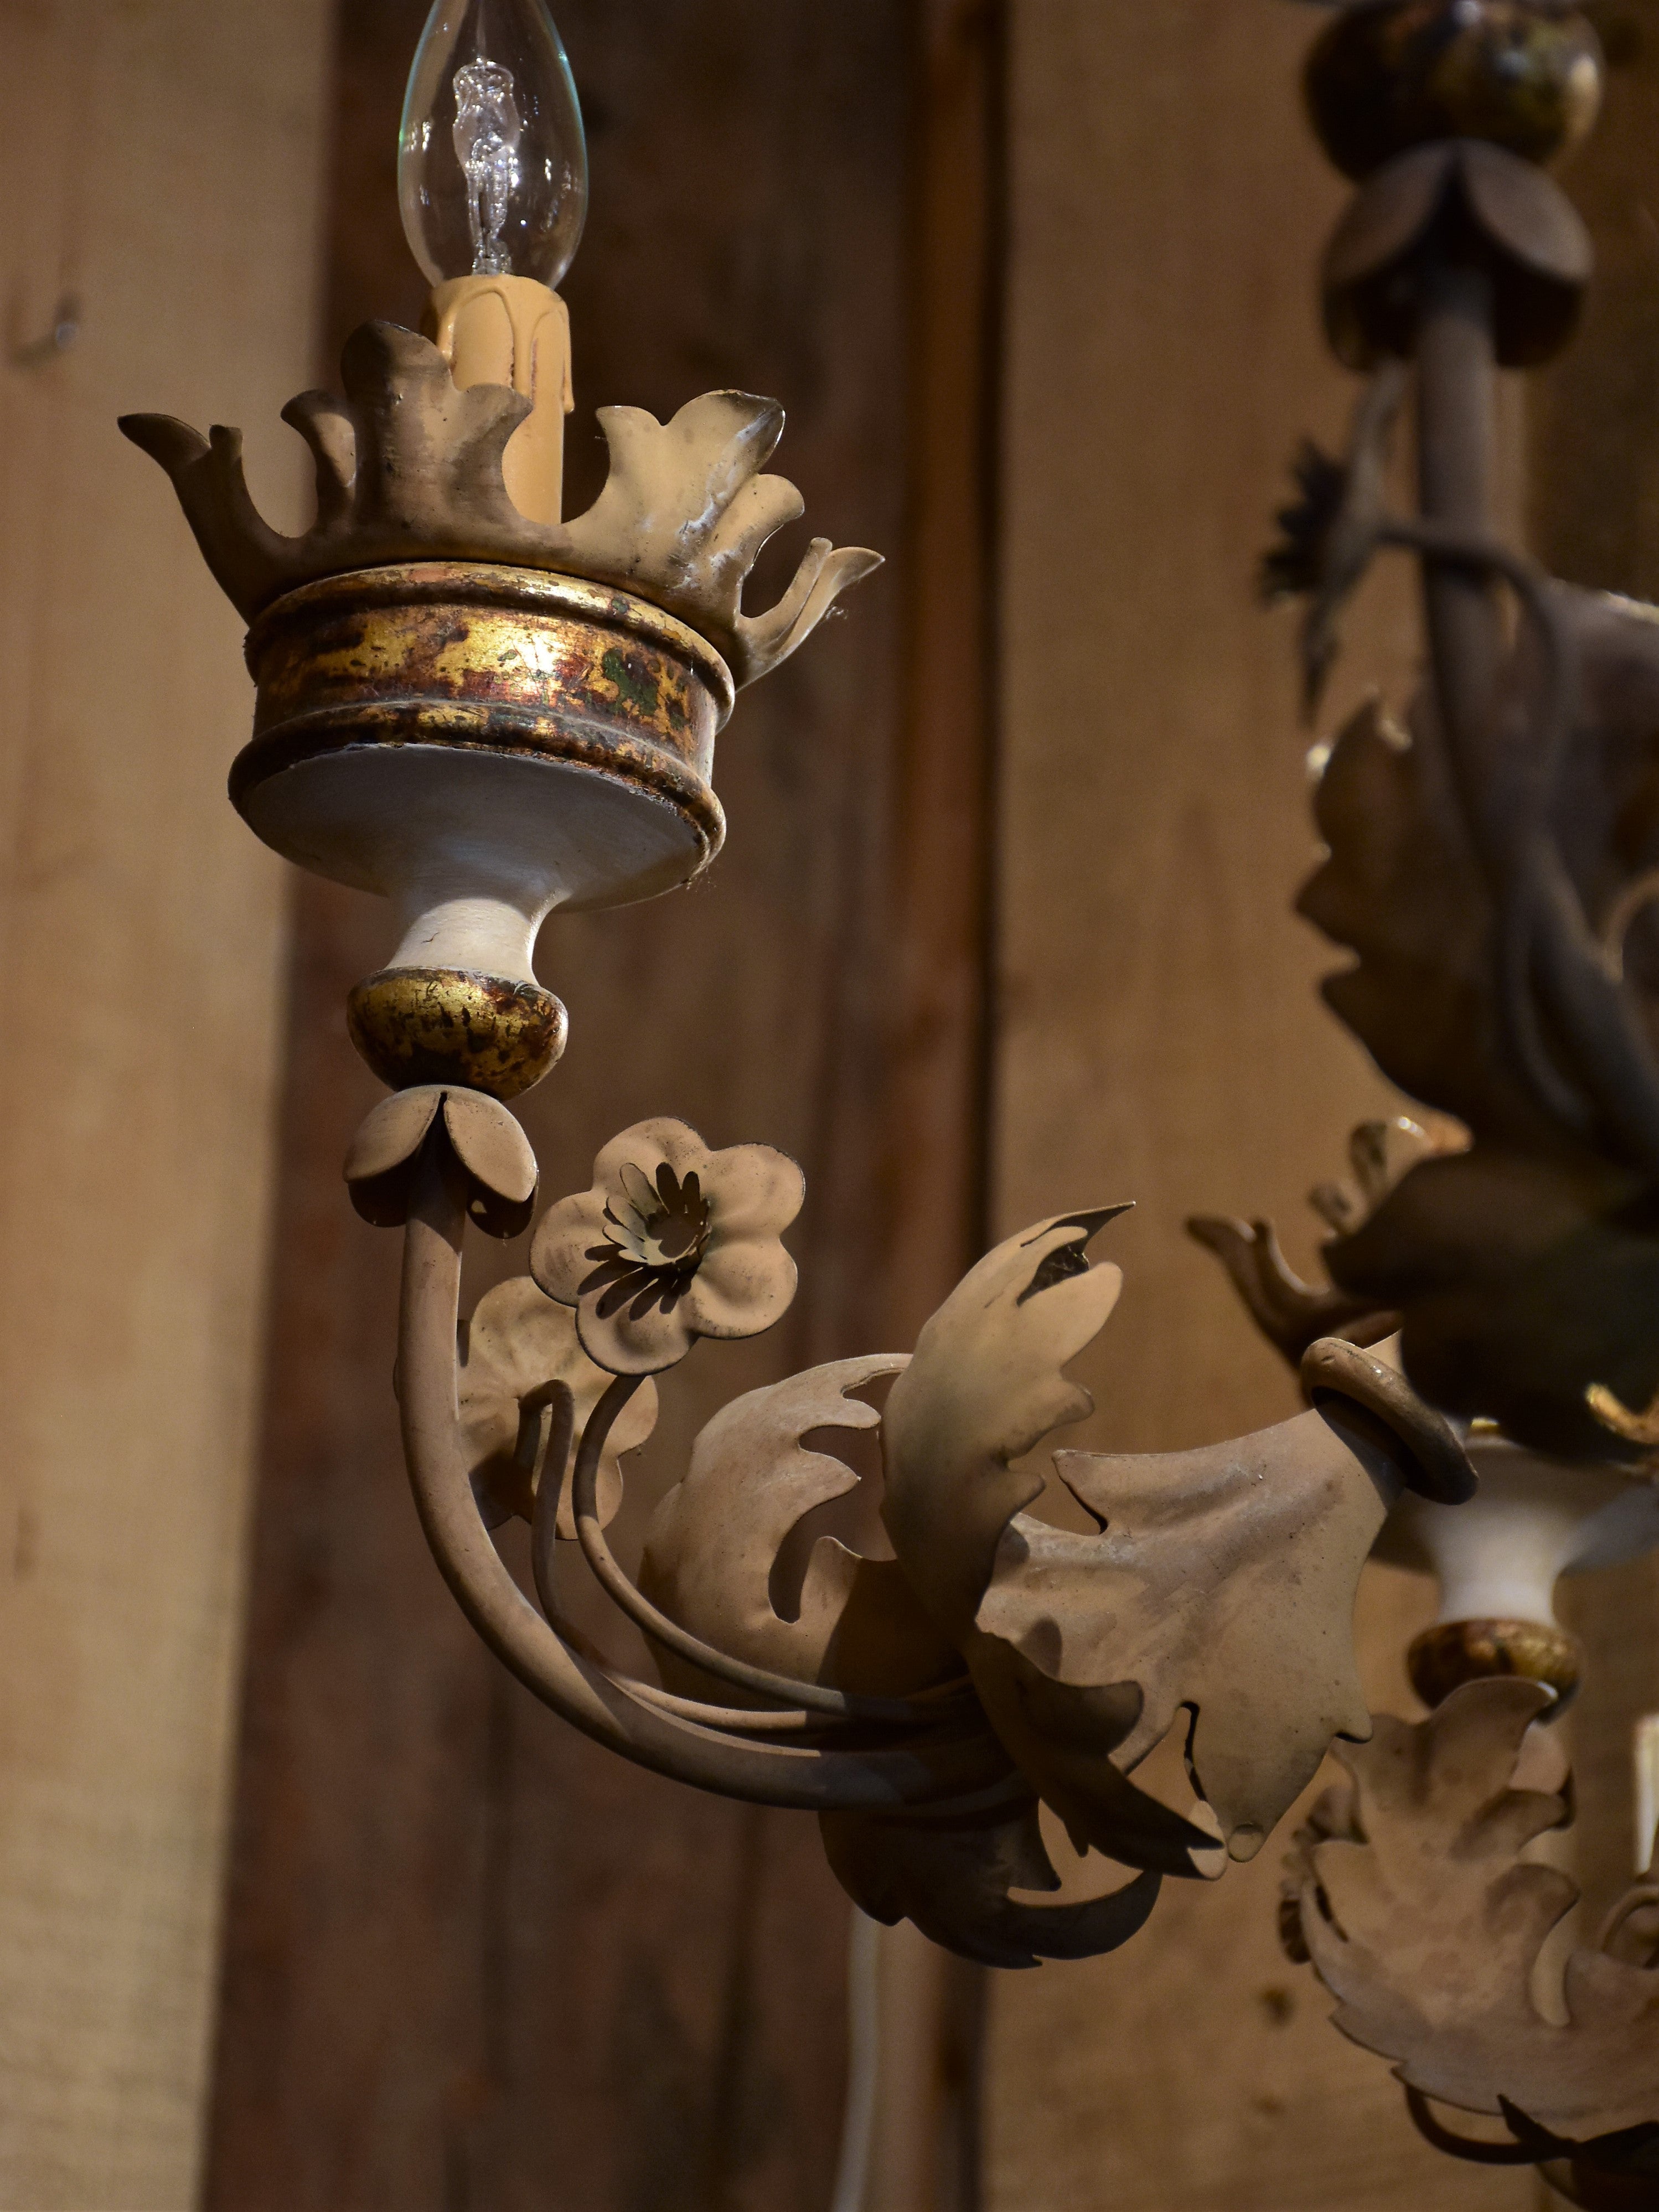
858, 2133
1647, 1790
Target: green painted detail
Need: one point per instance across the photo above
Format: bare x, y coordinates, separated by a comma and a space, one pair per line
641, 691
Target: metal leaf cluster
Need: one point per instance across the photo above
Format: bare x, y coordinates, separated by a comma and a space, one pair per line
1084, 1649
715, 1542
1427, 1844
1291, 1313
926, 1705
1507, 972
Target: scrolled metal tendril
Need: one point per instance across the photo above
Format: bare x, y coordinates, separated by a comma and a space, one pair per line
1545, 936
930, 1709
726, 1754
1471, 2149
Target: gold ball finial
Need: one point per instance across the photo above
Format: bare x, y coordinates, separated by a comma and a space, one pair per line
430, 1025
1389, 75
1443, 1658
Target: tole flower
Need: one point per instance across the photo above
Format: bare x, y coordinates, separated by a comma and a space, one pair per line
526, 1389
672, 1243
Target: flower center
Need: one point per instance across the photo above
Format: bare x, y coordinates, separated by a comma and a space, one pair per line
659, 1233
664, 1223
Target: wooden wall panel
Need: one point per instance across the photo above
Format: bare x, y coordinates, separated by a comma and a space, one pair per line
1595, 518
473, 1961
161, 165
931, 1195
1158, 1036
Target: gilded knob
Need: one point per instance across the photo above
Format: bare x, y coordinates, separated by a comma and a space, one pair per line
1389, 75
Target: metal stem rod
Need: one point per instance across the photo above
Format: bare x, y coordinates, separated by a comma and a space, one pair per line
1457, 374
928, 1771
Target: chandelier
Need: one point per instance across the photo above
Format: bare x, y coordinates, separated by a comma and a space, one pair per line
488, 712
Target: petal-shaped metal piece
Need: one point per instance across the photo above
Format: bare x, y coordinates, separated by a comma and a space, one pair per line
741, 1287
985, 1385
526, 1389
673, 1241
389, 1139
642, 1335
1386, 218
1084, 1649
495, 1152
711, 1547
752, 1190
568, 1235
491, 1147
954, 1878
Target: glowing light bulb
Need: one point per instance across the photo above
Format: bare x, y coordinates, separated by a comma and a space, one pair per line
492, 164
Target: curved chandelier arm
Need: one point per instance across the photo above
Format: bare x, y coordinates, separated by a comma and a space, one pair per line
799, 1719
1546, 942
810, 1697
1438, 544
930, 1772
1511, 839
731, 1720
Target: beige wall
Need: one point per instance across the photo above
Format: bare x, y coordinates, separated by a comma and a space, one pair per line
1159, 1036
161, 160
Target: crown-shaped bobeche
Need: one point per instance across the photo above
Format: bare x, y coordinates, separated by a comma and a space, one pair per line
409, 469
482, 716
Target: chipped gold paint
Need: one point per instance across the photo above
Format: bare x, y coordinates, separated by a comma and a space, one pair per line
415, 1025
504, 660
352, 638
1623, 1420
1443, 1658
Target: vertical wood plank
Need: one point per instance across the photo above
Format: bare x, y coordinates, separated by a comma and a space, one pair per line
472, 1960
1158, 1034
932, 1191
934, 1187
160, 166
1595, 517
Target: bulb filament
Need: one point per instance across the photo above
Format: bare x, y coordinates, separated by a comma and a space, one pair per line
488, 129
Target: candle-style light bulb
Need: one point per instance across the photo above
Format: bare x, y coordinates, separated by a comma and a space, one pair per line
492, 166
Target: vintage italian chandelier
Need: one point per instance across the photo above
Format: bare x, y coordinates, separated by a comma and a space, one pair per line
487, 712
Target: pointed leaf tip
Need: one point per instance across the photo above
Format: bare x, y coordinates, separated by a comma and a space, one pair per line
167, 441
